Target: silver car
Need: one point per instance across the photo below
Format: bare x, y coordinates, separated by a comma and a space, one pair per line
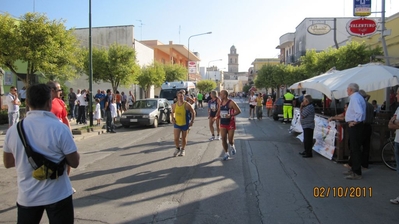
148, 112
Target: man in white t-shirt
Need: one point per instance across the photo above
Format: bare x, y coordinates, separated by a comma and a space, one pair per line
13, 106
252, 104
51, 138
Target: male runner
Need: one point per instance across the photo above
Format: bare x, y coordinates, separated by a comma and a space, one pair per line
213, 108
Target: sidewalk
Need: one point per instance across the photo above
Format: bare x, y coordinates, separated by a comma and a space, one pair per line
78, 135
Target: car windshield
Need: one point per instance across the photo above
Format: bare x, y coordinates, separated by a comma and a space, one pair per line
168, 94
145, 104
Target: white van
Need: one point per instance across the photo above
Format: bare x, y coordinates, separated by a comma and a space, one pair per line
170, 89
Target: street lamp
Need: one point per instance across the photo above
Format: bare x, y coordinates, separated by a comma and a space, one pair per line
188, 54
207, 74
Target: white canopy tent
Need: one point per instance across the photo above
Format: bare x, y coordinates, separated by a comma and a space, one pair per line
369, 77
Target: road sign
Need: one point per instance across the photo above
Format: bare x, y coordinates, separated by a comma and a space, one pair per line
361, 27
192, 67
361, 7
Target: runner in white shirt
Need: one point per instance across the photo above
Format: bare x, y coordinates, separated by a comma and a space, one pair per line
252, 104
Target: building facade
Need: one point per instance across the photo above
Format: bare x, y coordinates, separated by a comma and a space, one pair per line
103, 37
312, 34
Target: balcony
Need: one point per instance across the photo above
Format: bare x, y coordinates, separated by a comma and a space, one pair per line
286, 40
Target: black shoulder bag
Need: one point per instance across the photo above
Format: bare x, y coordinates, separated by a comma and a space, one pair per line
43, 168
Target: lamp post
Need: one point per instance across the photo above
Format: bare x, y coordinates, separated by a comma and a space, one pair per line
207, 74
188, 54
90, 70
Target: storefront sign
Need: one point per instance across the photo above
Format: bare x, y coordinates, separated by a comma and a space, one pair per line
192, 67
361, 7
361, 27
319, 29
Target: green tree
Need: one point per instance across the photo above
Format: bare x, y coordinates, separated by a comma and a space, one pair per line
45, 46
116, 65
206, 85
153, 74
175, 72
246, 88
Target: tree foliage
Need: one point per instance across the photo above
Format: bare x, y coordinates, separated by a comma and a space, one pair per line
45, 46
116, 65
246, 88
175, 72
206, 85
153, 74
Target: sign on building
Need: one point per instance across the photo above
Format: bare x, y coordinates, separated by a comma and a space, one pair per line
319, 29
361, 27
361, 7
192, 67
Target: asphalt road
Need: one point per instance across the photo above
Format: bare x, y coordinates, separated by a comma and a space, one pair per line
132, 177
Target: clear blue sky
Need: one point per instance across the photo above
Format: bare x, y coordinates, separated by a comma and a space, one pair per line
253, 26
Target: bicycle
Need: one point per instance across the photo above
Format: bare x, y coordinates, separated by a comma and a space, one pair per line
388, 154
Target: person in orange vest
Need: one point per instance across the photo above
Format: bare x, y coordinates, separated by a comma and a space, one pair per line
269, 106
287, 107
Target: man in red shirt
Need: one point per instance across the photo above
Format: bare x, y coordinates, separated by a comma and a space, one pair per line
58, 106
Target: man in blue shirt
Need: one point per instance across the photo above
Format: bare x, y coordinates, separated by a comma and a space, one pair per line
101, 96
355, 116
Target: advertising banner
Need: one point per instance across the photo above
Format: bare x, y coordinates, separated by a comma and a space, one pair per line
324, 133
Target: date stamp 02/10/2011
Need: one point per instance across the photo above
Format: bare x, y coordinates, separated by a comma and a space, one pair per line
343, 192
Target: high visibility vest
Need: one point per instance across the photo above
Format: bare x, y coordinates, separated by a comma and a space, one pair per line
269, 103
288, 98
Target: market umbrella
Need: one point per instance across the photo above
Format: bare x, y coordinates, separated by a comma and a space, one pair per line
369, 77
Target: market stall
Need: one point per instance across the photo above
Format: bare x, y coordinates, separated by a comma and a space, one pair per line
369, 77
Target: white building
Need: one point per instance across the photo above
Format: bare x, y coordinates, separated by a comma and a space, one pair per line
102, 37
312, 33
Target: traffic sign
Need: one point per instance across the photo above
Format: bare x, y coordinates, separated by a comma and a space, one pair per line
361, 27
361, 7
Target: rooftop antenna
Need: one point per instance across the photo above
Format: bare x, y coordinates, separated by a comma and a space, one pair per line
141, 29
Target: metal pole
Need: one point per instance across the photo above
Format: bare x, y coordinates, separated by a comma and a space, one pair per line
188, 54
384, 44
335, 33
90, 71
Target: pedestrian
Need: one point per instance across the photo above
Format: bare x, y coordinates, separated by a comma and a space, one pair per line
124, 101
132, 99
118, 98
97, 112
307, 121
367, 131
269, 106
181, 122
82, 108
13, 104
22, 94
101, 96
259, 106
59, 109
394, 124
52, 139
376, 107
227, 113
108, 101
300, 99
252, 104
213, 108
287, 106
77, 105
114, 109
200, 98
355, 116
71, 101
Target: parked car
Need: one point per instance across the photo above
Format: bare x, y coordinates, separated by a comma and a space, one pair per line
148, 112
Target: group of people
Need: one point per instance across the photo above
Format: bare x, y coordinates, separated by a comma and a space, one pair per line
221, 110
256, 103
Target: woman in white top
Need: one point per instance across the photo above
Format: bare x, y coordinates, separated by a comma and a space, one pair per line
97, 112
252, 104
